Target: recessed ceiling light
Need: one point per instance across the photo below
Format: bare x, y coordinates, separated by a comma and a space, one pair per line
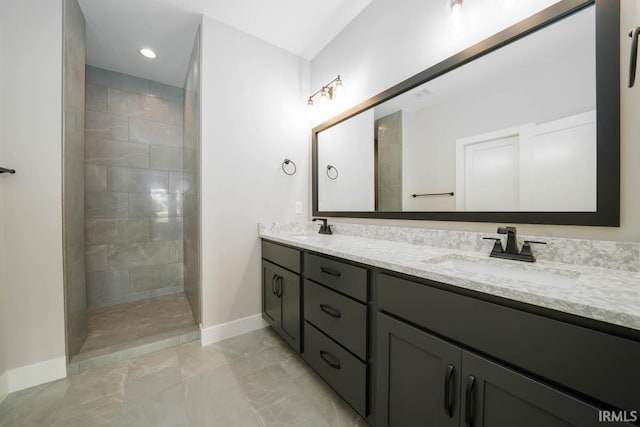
148, 53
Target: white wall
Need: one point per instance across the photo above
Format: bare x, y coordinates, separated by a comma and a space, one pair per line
31, 200
253, 117
391, 41
4, 386
348, 147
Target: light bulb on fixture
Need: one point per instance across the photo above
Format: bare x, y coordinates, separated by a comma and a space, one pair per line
457, 17
325, 95
337, 87
148, 53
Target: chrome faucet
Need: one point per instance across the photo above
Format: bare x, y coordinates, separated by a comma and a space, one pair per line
324, 227
511, 250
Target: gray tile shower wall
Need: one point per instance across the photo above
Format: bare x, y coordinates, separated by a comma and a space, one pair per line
134, 188
190, 178
73, 182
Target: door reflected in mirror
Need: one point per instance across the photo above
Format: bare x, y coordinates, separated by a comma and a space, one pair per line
514, 130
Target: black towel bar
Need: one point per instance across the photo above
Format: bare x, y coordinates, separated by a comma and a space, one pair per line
451, 193
5, 170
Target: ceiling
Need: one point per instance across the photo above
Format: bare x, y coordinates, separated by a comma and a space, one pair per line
117, 29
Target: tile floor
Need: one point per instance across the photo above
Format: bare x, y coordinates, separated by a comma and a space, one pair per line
250, 380
119, 324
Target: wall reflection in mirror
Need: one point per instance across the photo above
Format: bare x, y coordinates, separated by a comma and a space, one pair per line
514, 130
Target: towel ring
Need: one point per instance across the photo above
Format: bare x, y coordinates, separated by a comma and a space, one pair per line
287, 162
329, 167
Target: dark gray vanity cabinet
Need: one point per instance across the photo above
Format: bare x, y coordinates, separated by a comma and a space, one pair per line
319, 305
494, 396
421, 377
281, 291
340, 317
271, 304
418, 377
538, 365
336, 326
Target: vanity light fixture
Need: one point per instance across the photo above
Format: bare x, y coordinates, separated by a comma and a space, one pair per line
148, 53
328, 91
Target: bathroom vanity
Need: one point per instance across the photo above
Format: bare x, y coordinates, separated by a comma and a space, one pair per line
407, 333
419, 327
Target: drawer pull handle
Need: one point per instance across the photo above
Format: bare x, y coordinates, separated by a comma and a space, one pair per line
330, 271
448, 399
330, 359
468, 404
330, 311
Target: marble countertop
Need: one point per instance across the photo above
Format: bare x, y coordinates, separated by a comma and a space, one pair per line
602, 294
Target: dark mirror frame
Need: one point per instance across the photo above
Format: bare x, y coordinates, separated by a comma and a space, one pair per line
608, 120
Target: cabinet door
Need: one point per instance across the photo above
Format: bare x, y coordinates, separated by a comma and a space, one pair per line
418, 377
494, 396
289, 292
270, 301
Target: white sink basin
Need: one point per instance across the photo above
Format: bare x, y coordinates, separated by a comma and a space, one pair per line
503, 269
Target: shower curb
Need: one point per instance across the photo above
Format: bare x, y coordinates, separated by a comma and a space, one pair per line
112, 355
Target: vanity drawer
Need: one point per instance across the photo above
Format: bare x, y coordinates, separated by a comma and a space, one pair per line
338, 316
594, 363
343, 371
283, 256
344, 278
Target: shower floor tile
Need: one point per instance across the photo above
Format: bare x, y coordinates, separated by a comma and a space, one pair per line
124, 323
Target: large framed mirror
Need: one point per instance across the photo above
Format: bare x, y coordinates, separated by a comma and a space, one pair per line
523, 127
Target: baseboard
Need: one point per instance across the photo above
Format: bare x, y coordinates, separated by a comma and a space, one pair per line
4, 386
36, 374
216, 333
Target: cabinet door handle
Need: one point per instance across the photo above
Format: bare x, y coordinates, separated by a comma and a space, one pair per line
634, 55
330, 271
279, 286
468, 404
273, 285
330, 359
448, 399
330, 311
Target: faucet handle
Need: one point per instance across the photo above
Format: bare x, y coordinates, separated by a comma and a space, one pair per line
497, 245
526, 247
535, 242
